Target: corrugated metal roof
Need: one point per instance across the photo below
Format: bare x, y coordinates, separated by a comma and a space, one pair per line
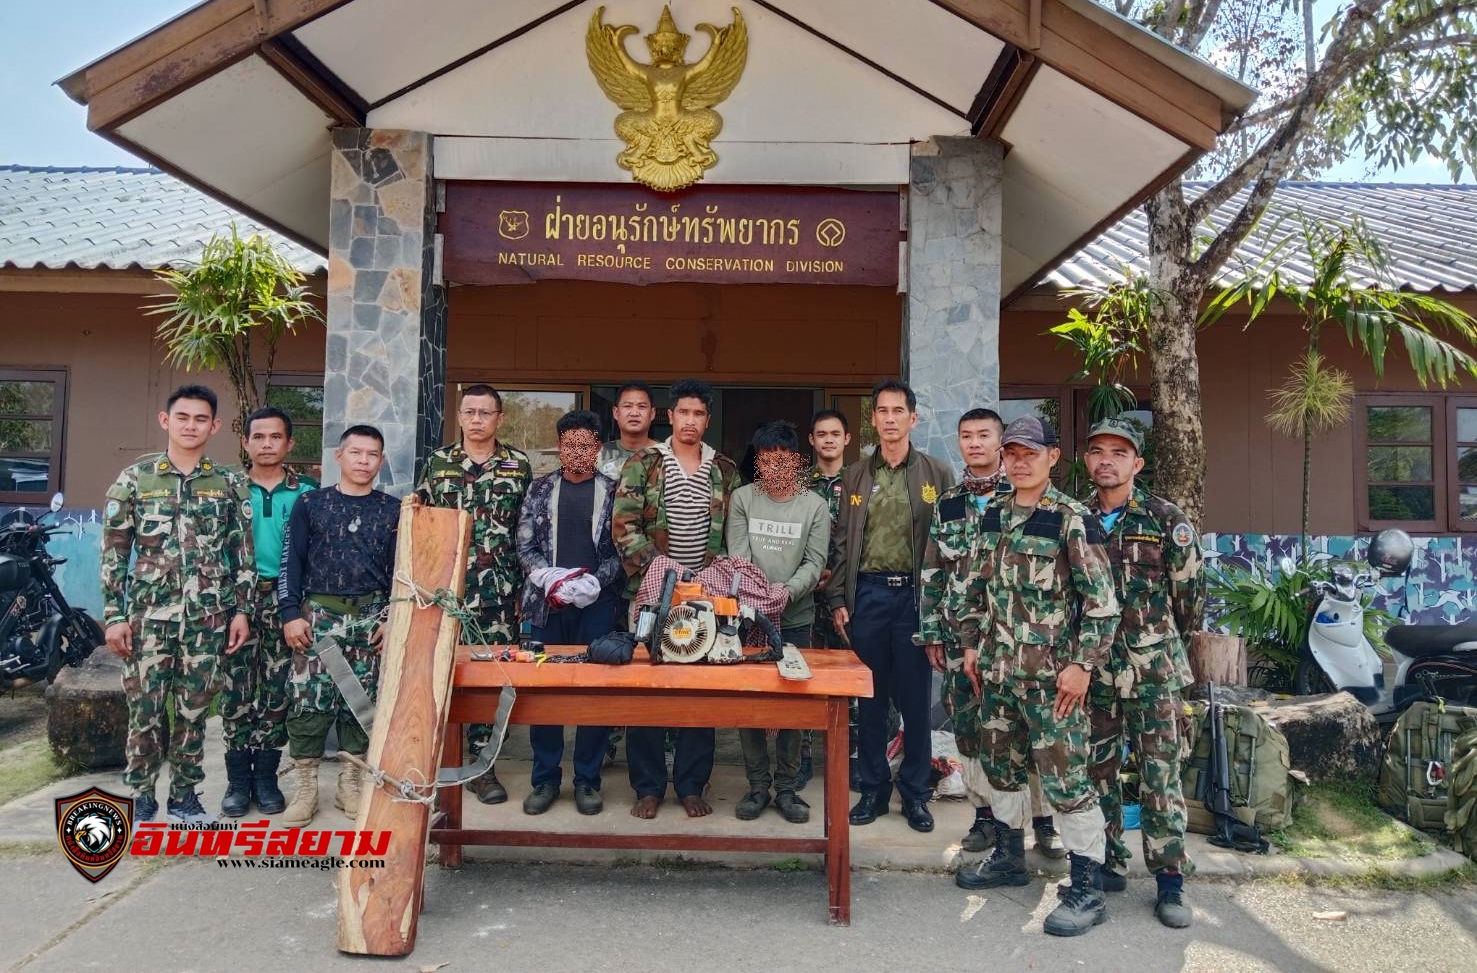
115, 218
127, 219
1429, 233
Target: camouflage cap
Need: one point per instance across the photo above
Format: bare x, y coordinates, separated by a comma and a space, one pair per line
1032, 432
1122, 428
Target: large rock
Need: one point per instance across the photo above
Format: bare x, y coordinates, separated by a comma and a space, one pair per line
1328, 736
87, 714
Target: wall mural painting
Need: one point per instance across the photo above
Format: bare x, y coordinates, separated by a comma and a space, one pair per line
1442, 587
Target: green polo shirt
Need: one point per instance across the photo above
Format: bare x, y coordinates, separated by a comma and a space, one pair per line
887, 537
269, 513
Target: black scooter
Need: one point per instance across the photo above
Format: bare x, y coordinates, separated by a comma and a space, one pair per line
39, 631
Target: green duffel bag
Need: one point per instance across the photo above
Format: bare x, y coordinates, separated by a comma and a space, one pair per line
1262, 790
1461, 793
1418, 756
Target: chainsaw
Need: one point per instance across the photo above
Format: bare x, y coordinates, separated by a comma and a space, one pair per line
691, 624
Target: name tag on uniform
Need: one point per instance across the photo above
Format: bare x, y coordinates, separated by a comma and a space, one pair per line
208, 494
447, 475
155, 494
1144, 538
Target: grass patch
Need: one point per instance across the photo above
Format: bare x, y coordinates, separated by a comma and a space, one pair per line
790, 865
11, 850
1464, 876
678, 863
1341, 819
27, 767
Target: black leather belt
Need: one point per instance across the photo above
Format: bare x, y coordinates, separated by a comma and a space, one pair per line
886, 578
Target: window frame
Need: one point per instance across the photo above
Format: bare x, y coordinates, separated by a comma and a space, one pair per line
55, 478
313, 467
1442, 488
1453, 481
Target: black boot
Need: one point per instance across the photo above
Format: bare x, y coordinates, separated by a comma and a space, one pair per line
1170, 905
269, 799
1007, 866
237, 799
1083, 906
981, 835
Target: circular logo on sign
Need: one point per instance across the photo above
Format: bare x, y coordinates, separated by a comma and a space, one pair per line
829, 232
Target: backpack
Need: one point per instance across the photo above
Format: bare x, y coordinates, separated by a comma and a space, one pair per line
1418, 758
1461, 793
1262, 791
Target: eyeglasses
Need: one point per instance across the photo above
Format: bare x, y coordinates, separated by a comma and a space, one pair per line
480, 413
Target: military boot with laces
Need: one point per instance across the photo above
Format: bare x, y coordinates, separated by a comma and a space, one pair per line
1007, 866
1083, 906
1170, 906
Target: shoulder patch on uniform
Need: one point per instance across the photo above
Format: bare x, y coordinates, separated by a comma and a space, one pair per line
991, 520
1183, 534
111, 510
952, 508
246, 508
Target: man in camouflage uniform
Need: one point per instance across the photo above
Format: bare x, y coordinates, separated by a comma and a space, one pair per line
1155, 554
489, 480
672, 499
253, 701
187, 600
338, 562
829, 437
1049, 615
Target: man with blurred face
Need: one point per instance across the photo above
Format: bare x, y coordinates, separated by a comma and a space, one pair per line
1048, 617
338, 561
184, 603
672, 499
574, 580
634, 412
253, 699
488, 479
1155, 554
877, 551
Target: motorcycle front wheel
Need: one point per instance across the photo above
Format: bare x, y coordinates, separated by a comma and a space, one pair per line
1309, 679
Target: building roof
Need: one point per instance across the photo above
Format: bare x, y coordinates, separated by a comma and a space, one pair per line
114, 218
239, 98
1429, 233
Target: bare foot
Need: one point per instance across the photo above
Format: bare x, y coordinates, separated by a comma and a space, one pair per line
696, 807
645, 807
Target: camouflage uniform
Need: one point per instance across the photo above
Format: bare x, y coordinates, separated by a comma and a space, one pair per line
317, 703
253, 699
1049, 603
1156, 563
945, 591
493, 493
823, 631
195, 568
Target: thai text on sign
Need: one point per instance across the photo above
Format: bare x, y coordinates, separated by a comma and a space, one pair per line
511, 233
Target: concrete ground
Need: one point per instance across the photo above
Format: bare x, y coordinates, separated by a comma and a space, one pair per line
556, 909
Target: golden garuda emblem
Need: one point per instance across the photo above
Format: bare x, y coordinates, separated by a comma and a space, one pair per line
668, 119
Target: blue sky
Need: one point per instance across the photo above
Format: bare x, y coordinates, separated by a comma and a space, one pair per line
41, 42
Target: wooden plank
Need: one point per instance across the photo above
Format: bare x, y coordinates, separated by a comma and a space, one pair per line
615, 707
210, 45
677, 841
378, 909
834, 672
838, 827
321, 86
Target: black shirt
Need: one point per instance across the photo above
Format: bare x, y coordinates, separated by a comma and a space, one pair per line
575, 545
337, 544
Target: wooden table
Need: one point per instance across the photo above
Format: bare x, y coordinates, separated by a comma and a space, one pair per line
642, 694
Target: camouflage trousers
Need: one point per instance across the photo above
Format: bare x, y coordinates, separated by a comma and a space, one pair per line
1150, 721
253, 699
316, 704
963, 706
498, 622
174, 660
1020, 730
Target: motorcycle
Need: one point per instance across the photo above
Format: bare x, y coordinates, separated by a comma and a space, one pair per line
39, 631
1431, 661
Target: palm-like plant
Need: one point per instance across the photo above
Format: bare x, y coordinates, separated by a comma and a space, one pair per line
241, 289
1353, 288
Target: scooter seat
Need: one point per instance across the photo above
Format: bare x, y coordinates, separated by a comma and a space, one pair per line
1422, 640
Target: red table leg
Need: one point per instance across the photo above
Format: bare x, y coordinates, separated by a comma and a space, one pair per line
451, 797
838, 828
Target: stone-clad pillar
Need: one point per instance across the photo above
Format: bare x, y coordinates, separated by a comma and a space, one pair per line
951, 338
385, 360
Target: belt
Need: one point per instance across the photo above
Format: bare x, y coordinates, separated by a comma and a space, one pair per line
888, 578
266, 585
346, 604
